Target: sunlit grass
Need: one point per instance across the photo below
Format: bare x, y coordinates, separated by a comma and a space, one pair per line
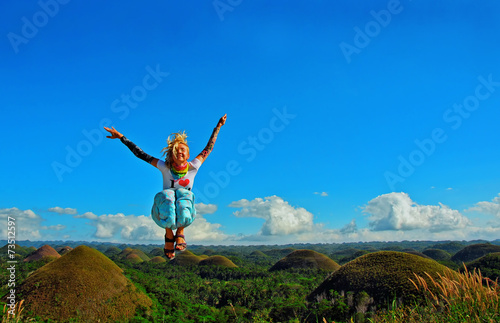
8, 317
457, 297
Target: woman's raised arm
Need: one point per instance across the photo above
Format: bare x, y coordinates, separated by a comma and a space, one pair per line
210, 145
138, 152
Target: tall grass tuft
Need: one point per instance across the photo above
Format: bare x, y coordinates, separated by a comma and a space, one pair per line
456, 297
7, 317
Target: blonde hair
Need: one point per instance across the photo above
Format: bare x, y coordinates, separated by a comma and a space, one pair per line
172, 146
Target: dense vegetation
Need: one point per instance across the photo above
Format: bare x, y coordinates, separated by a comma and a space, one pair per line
235, 283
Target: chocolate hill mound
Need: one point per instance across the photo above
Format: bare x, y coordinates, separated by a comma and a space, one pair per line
437, 254
45, 252
130, 254
82, 286
157, 260
258, 254
217, 261
383, 275
18, 251
156, 252
133, 258
64, 250
474, 252
112, 251
489, 265
17, 248
186, 258
304, 258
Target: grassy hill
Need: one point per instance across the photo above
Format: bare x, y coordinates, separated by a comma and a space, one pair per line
157, 260
133, 255
64, 250
217, 261
437, 254
112, 251
84, 286
489, 265
186, 258
474, 251
305, 259
383, 275
19, 252
45, 252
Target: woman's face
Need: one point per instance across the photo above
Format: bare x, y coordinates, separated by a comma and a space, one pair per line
182, 154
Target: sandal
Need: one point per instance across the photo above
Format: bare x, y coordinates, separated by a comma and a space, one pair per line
171, 251
182, 244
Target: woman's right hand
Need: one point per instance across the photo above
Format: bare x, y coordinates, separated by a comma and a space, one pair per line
114, 133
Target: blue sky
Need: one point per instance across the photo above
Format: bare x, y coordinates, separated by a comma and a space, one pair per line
347, 120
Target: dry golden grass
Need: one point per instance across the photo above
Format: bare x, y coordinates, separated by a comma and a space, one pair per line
8, 317
456, 297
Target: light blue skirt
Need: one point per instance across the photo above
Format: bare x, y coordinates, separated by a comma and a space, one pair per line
174, 209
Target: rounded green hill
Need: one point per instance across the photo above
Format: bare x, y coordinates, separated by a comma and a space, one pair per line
489, 265
304, 258
155, 252
84, 286
186, 258
437, 254
217, 261
130, 254
112, 251
258, 254
383, 275
133, 258
157, 260
474, 251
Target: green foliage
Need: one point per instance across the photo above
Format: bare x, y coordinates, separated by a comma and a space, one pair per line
182, 291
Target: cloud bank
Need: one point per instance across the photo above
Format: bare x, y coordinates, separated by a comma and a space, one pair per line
396, 211
61, 210
492, 208
280, 217
143, 228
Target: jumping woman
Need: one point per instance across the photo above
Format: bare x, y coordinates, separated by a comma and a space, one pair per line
173, 208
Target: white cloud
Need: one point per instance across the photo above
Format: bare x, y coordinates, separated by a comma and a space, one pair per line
57, 227
280, 217
143, 228
321, 194
27, 224
351, 227
61, 210
203, 231
86, 215
128, 227
488, 207
396, 211
202, 208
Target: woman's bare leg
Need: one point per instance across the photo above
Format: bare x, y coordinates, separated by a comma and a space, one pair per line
179, 240
169, 245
